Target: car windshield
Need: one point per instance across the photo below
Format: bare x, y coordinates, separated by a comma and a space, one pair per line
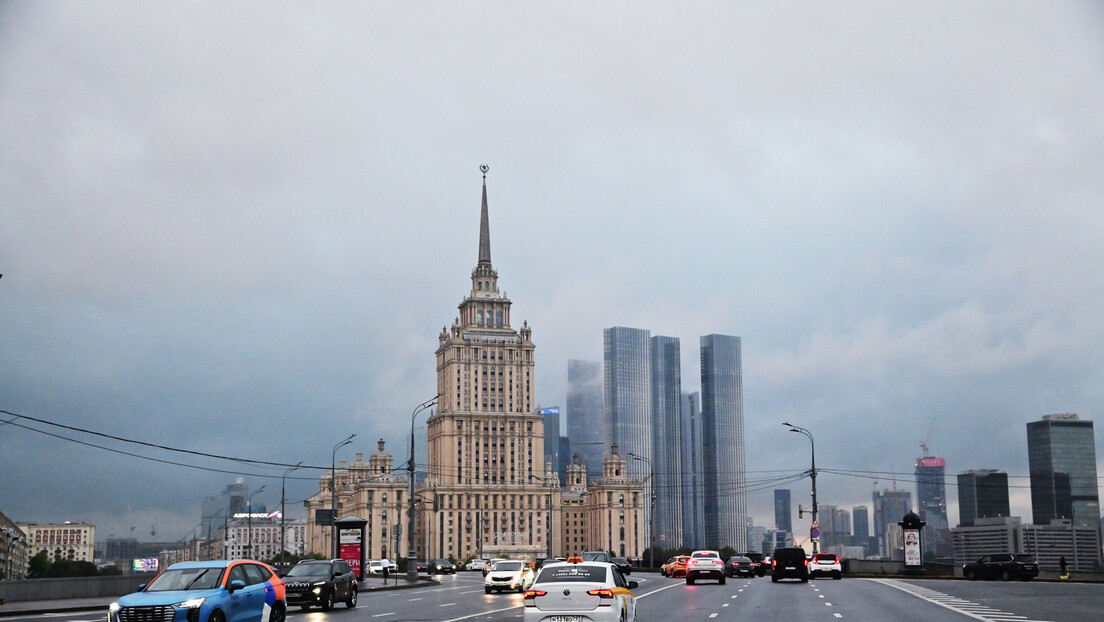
309, 570
441, 562
1027, 559
566, 573
703, 555
824, 557
186, 579
508, 566
594, 556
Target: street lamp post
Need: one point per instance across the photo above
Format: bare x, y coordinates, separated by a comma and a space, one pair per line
411, 559
249, 519
283, 533
812, 476
333, 494
651, 509
547, 481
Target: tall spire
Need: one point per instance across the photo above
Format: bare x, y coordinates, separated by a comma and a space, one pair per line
484, 223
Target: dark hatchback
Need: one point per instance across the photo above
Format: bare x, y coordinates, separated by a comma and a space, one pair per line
1003, 566
740, 566
442, 566
624, 565
321, 583
789, 563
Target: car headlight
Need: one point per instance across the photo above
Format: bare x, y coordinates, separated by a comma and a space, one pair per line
191, 603
113, 607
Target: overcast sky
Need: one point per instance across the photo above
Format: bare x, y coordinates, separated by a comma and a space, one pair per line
238, 228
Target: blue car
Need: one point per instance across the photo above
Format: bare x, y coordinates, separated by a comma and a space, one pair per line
212, 591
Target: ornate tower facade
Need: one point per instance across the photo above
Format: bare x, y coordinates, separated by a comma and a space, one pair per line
488, 491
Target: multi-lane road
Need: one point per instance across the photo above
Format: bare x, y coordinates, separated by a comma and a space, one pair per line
461, 597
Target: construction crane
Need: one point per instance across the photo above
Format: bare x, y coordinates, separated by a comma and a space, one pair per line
927, 439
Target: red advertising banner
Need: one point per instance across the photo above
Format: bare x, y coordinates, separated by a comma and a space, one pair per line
350, 549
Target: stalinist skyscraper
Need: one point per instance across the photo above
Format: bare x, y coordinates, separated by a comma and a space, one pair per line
488, 484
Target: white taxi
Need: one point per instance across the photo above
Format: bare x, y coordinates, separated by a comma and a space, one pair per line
578, 591
509, 574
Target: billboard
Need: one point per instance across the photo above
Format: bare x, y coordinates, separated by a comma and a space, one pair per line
145, 565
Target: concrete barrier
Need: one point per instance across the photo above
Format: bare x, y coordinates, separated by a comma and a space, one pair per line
71, 587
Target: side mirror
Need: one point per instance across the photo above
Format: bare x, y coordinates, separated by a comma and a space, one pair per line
142, 588
235, 585
633, 585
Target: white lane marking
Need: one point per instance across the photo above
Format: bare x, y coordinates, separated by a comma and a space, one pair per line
965, 607
482, 613
724, 605
658, 590
838, 615
380, 615
447, 605
712, 615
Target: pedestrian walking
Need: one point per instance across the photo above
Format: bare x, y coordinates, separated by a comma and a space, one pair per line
386, 566
1063, 570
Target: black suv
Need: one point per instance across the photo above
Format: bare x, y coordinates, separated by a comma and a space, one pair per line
1005, 566
321, 582
789, 563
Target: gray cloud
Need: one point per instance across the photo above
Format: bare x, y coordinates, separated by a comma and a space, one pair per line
239, 228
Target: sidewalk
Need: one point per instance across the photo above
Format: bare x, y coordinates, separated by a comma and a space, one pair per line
101, 603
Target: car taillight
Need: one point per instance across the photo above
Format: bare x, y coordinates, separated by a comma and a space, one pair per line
531, 595
603, 593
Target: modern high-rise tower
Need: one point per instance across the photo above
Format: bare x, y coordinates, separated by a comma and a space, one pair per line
782, 510
666, 431
1061, 454
628, 403
931, 497
982, 493
691, 473
723, 463
586, 428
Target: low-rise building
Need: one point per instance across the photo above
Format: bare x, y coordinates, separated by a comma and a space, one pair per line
72, 541
13, 550
1080, 545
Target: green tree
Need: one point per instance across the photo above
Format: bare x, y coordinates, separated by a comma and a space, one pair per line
38, 566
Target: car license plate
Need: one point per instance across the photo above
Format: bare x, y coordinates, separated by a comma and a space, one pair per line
565, 619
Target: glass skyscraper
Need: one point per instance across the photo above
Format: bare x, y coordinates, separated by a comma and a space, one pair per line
667, 430
586, 429
1061, 454
691, 475
782, 510
628, 406
723, 464
982, 493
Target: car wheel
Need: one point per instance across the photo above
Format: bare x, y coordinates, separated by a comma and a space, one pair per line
971, 575
689, 581
722, 580
837, 575
1006, 576
278, 613
216, 616
328, 601
487, 590
304, 607
774, 579
352, 601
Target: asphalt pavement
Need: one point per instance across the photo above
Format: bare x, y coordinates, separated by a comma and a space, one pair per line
24, 607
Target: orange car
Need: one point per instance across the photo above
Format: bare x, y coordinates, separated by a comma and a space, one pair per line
675, 567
